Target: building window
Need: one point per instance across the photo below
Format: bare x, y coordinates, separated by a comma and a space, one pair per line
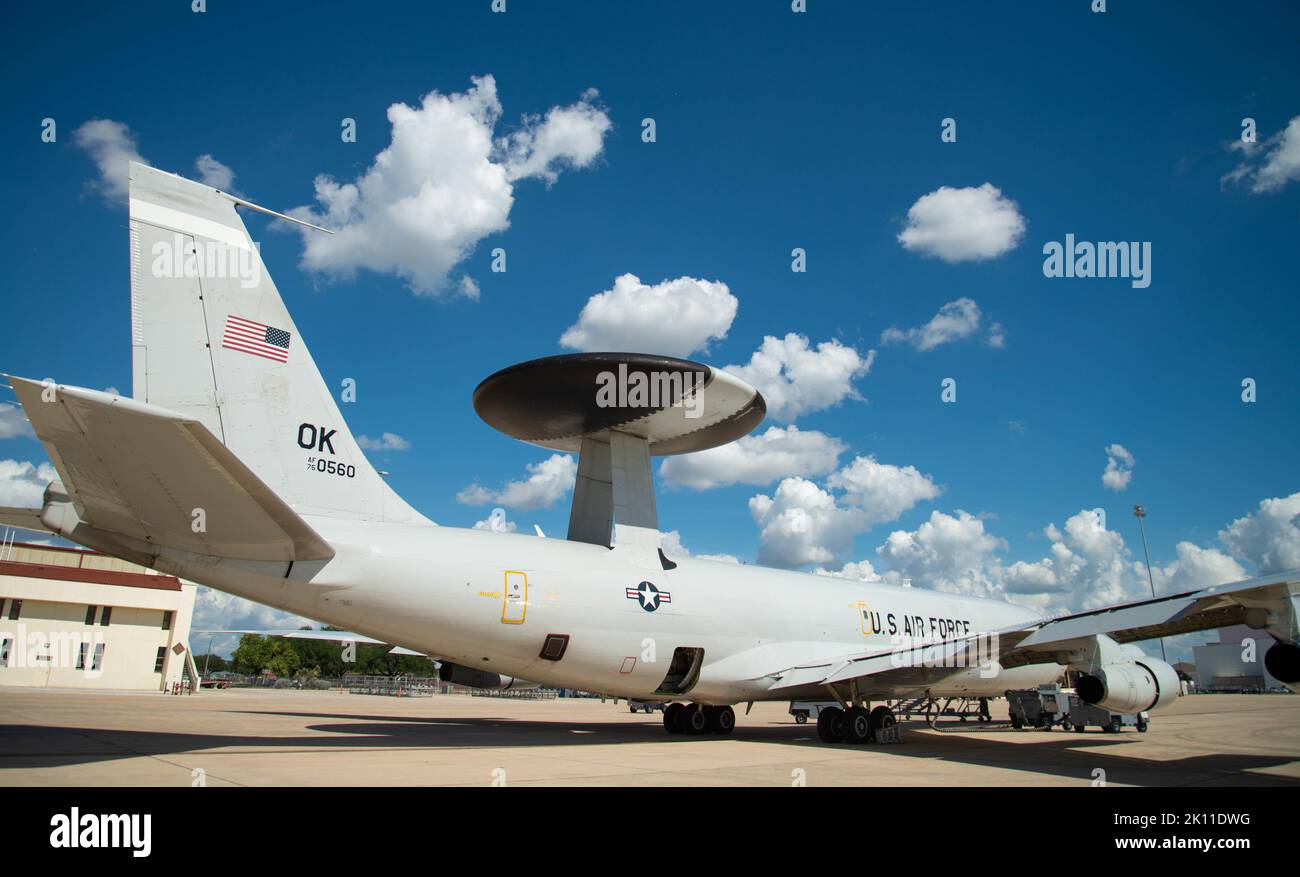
5, 645
167, 621
103, 619
99, 657
15, 609
158, 661
81, 656
90, 614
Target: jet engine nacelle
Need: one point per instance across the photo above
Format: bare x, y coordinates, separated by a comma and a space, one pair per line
1282, 661
1134, 687
471, 678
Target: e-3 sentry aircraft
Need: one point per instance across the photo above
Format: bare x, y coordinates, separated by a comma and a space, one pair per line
232, 466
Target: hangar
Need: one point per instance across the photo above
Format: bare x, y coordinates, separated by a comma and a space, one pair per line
1235, 662
71, 618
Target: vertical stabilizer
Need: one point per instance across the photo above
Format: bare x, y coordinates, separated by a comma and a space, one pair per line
211, 339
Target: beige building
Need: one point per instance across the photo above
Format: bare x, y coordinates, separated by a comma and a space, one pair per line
1235, 662
77, 619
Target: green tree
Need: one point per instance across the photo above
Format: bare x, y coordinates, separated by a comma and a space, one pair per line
251, 655
282, 660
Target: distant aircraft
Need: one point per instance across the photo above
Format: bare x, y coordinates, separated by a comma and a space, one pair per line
232, 466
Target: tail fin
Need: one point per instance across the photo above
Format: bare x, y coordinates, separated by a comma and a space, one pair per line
211, 339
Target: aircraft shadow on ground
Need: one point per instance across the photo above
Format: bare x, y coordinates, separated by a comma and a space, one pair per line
1058, 755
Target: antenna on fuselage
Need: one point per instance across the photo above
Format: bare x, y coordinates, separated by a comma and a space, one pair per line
616, 411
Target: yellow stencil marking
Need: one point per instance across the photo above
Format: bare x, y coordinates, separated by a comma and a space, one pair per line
514, 602
863, 609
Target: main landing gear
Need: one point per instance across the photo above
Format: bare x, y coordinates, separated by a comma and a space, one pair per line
855, 725
697, 719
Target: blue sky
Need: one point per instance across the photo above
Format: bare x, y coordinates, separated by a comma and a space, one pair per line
774, 130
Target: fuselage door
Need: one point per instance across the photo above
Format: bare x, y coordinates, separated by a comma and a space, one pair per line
514, 605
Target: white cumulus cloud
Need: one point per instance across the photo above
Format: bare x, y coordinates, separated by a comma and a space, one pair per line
671, 543
388, 441
1272, 164
803, 523
882, 490
956, 320
13, 423
213, 173
950, 553
112, 146
963, 225
217, 610
442, 185
673, 317
796, 378
1195, 568
547, 482
755, 459
860, 570
1270, 538
1085, 567
496, 522
1119, 468
22, 484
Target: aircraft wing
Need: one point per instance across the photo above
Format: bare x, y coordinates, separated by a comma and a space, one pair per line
160, 478
1270, 602
338, 636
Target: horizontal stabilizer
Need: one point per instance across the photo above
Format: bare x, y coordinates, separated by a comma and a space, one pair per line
158, 478
23, 519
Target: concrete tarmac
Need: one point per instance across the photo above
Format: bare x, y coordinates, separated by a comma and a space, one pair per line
254, 737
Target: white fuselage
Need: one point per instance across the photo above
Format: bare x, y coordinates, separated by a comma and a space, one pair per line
443, 591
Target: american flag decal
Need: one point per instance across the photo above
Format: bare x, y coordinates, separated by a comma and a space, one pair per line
258, 339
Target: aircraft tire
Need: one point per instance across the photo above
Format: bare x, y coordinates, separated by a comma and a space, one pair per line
830, 725
882, 717
857, 726
670, 718
694, 720
721, 719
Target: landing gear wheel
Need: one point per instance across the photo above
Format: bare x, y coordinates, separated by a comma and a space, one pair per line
693, 720
1016, 722
800, 718
882, 717
1078, 729
857, 726
670, 718
721, 719
1115, 725
830, 725
1142, 726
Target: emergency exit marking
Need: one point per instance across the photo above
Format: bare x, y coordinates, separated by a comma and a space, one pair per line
514, 601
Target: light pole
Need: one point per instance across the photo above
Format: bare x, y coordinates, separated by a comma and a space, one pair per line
1139, 512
